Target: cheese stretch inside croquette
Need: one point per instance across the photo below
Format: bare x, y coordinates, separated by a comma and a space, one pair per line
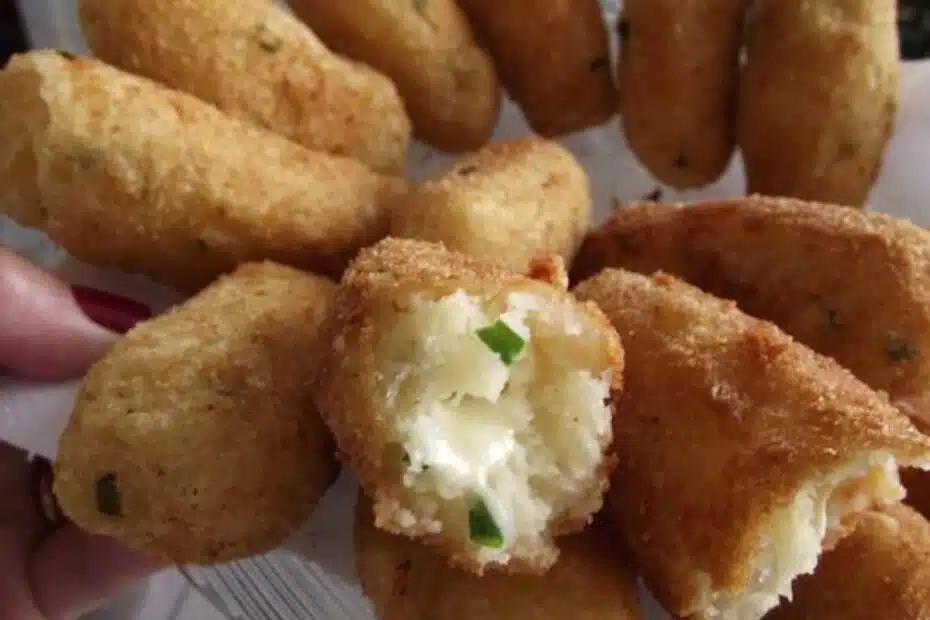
501, 417
798, 533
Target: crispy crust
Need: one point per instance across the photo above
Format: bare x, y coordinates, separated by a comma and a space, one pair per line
380, 279
723, 419
406, 580
448, 83
258, 63
553, 58
678, 82
125, 173
881, 569
511, 202
854, 286
204, 417
819, 95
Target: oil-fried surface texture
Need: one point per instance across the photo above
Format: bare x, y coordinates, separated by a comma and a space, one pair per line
125, 173
407, 581
511, 202
258, 63
819, 95
448, 83
678, 82
381, 281
552, 57
882, 569
196, 437
851, 285
722, 421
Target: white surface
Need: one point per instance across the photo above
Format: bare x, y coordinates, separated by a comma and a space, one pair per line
313, 578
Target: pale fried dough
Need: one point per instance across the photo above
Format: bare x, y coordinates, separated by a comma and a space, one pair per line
678, 81
553, 58
739, 450
510, 202
124, 173
258, 63
818, 97
196, 438
448, 83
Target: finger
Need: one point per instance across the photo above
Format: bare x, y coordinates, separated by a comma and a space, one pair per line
18, 527
72, 572
49, 330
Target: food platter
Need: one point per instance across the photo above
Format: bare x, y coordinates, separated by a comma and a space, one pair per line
313, 575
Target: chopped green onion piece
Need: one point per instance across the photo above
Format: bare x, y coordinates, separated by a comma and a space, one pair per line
902, 351
482, 529
501, 339
108, 496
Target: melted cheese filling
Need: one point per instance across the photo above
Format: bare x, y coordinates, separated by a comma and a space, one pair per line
797, 534
523, 438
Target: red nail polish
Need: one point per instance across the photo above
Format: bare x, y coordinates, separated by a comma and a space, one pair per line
111, 311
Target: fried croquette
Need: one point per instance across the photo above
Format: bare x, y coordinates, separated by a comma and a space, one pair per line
853, 286
678, 78
472, 402
819, 96
258, 63
511, 202
740, 451
447, 81
124, 173
553, 59
882, 569
196, 438
407, 580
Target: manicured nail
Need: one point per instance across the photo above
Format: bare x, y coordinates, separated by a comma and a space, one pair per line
46, 504
116, 313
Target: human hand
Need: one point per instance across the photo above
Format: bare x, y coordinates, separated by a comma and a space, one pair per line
50, 570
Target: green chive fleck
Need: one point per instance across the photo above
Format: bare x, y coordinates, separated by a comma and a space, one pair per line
270, 45
267, 40
482, 528
902, 351
623, 28
86, 157
66, 55
834, 319
598, 63
419, 5
501, 339
109, 501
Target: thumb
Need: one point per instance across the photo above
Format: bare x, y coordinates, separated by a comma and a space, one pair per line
48, 330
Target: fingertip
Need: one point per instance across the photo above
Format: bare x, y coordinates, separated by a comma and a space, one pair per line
48, 330
72, 572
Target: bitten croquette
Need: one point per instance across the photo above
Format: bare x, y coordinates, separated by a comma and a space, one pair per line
474, 403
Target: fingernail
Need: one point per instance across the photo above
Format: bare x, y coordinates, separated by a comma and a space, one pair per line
46, 504
116, 313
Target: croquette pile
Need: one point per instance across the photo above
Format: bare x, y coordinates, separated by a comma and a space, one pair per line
723, 399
